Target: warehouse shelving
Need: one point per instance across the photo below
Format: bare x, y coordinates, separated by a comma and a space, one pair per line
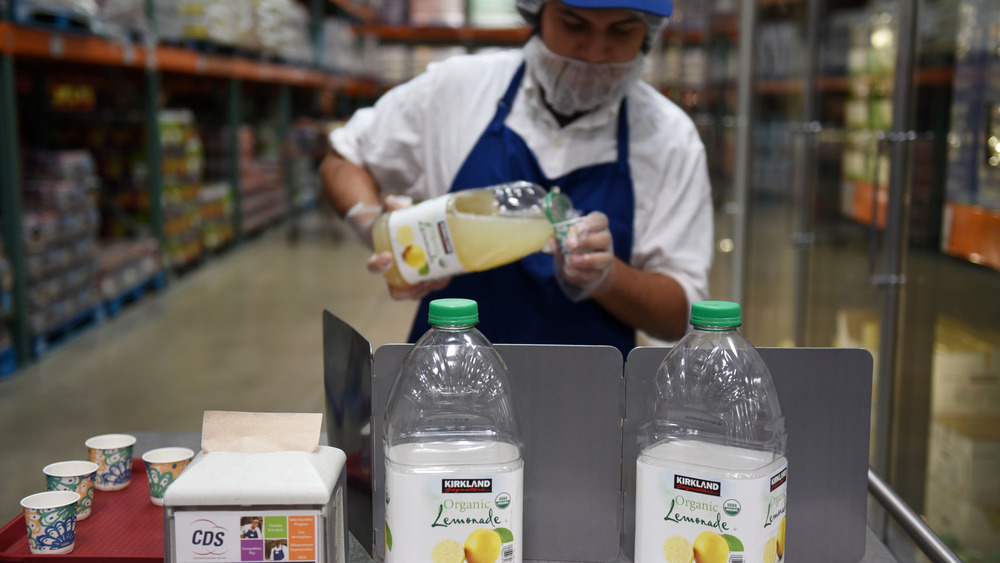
86, 58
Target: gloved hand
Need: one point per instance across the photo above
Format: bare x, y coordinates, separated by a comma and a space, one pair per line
380, 263
361, 218
585, 259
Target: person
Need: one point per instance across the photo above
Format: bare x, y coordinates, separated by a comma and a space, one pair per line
278, 552
568, 110
252, 530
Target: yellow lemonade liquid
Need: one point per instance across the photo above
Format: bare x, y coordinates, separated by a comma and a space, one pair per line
482, 237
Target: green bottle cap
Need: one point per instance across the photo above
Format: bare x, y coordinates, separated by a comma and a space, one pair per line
452, 312
715, 313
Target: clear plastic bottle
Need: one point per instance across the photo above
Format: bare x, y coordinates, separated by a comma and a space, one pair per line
465, 231
454, 475
711, 473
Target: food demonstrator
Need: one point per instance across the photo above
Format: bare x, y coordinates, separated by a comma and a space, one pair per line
566, 110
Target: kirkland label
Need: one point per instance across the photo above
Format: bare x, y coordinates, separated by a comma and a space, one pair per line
259, 535
421, 242
683, 517
437, 519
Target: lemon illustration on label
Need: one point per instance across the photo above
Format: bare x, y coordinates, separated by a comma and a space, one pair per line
405, 235
447, 551
781, 538
678, 550
482, 546
770, 550
416, 258
710, 547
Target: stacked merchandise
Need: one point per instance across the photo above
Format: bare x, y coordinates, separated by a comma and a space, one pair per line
437, 13
962, 491
126, 268
424, 55
125, 19
394, 64
772, 166
275, 28
75, 14
868, 111
691, 16
262, 191
780, 50
60, 222
226, 23
972, 210
344, 51
183, 166
392, 12
216, 202
8, 362
494, 13
216, 196
282, 29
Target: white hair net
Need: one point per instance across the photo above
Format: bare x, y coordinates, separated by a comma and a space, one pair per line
530, 9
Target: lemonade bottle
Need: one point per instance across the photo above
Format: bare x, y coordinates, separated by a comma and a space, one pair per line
464, 231
711, 473
454, 477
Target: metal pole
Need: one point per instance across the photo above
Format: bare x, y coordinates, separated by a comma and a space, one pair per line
317, 29
804, 237
10, 202
235, 109
744, 125
892, 279
925, 538
284, 128
154, 159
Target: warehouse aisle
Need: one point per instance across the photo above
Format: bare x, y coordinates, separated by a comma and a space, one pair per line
242, 333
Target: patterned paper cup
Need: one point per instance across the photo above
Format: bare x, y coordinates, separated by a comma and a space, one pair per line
113, 454
51, 521
163, 465
73, 476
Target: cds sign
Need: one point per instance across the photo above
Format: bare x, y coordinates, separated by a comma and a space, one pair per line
208, 536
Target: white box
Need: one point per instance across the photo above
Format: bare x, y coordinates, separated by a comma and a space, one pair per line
964, 456
296, 497
975, 524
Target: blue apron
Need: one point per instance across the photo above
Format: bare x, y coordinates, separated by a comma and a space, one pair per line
521, 303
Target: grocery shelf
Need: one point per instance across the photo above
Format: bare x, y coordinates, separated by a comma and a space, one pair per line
36, 43
974, 234
415, 34
362, 12
19, 41
684, 35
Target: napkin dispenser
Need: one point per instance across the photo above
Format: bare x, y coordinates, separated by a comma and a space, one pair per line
236, 506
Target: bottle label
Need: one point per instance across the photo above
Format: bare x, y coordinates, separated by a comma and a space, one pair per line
421, 242
454, 517
681, 514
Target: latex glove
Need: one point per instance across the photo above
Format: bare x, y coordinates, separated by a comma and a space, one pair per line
585, 265
361, 218
380, 263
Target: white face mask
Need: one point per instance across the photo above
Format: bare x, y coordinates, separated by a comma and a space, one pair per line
573, 86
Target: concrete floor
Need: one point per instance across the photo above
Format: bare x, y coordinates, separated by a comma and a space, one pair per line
241, 333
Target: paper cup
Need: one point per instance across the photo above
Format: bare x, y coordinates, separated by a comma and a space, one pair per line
163, 466
73, 476
113, 455
51, 521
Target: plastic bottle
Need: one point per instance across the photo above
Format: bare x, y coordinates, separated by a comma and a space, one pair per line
711, 473
465, 231
454, 477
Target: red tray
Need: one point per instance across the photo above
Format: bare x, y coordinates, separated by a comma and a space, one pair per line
124, 527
